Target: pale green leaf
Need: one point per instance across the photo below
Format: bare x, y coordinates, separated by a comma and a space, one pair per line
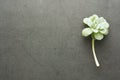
104, 31
87, 21
103, 25
86, 32
100, 20
98, 36
94, 17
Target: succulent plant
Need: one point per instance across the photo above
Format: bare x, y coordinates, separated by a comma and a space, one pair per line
98, 27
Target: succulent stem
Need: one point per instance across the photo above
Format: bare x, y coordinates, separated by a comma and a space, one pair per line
94, 54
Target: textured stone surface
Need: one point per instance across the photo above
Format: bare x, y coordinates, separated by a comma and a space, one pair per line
41, 40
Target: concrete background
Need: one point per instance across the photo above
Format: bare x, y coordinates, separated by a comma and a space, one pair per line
41, 40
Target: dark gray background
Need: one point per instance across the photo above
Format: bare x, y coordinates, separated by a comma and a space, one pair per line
41, 40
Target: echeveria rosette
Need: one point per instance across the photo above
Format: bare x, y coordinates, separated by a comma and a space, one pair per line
98, 27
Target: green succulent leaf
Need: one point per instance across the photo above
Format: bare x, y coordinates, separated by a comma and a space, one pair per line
104, 31
87, 21
98, 36
86, 32
94, 17
100, 20
103, 25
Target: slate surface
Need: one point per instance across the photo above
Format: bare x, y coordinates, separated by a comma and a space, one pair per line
41, 40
